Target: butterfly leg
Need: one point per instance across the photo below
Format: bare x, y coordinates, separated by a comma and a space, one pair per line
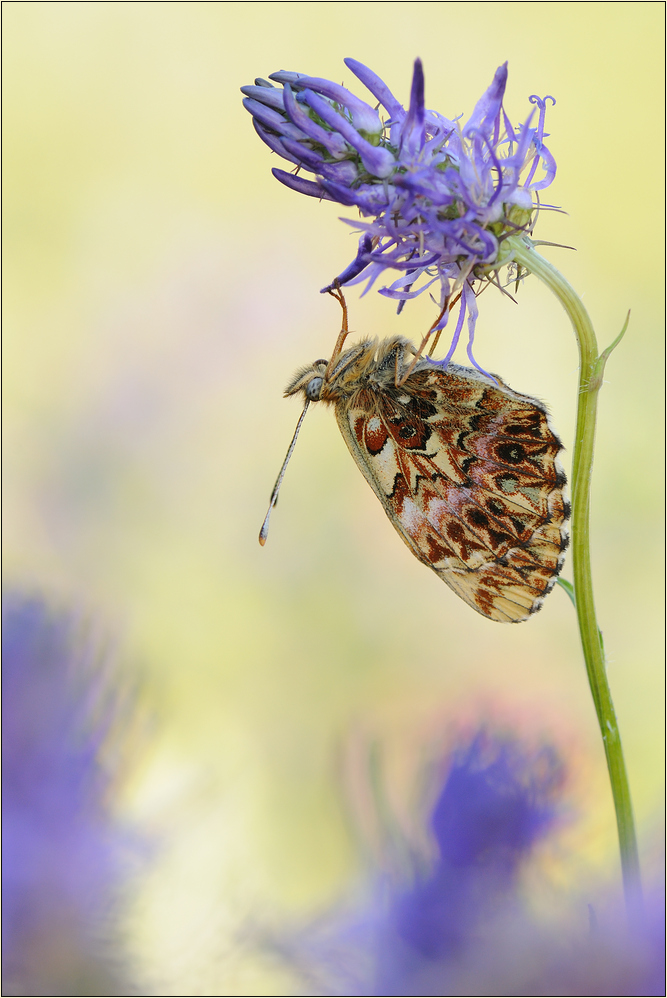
399, 381
342, 336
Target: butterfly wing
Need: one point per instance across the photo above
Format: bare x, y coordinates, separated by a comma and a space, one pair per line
468, 473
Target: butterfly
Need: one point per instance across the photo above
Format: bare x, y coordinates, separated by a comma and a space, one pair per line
466, 469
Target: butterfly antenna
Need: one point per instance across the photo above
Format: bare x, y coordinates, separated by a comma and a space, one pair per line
264, 532
336, 293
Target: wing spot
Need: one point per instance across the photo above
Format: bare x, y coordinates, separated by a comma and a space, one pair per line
511, 453
495, 507
455, 531
507, 483
375, 435
477, 517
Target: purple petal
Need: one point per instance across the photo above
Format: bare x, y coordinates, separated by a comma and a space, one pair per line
414, 183
488, 105
370, 274
370, 198
304, 155
417, 262
358, 264
541, 151
273, 142
405, 280
342, 173
364, 118
271, 119
271, 97
499, 172
549, 164
457, 333
412, 138
405, 295
334, 144
287, 77
514, 164
300, 184
378, 161
473, 312
377, 87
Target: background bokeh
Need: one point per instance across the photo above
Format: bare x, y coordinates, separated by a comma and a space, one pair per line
160, 288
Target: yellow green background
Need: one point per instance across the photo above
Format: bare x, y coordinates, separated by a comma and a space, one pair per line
160, 289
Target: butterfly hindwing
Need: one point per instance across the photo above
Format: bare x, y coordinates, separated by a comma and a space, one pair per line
466, 469
467, 472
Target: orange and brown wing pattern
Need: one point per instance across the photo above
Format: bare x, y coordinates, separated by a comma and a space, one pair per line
467, 471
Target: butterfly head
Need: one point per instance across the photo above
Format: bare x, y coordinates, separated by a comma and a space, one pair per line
308, 380
329, 381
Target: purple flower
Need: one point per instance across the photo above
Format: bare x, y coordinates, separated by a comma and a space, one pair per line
461, 924
497, 802
438, 199
61, 858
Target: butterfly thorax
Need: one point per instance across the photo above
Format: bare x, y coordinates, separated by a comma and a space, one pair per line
367, 365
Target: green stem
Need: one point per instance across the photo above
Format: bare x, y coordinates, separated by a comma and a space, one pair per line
591, 369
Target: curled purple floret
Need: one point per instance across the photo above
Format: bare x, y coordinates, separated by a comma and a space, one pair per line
364, 118
378, 161
271, 118
412, 137
274, 142
300, 184
314, 134
270, 96
344, 173
286, 77
377, 87
436, 199
540, 151
355, 268
487, 108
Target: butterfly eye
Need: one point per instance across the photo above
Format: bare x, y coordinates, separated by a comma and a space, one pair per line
313, 389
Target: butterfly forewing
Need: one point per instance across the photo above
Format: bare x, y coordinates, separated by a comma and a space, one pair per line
466, 469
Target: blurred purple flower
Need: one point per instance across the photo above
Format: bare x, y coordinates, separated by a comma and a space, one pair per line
62, 856
496, 803
463, 926
439, 198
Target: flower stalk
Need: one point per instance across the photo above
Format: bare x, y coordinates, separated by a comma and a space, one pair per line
591, 370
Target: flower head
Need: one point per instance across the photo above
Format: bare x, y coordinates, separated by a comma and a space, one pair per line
464, 924
63, 858
438, 199
498, 800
